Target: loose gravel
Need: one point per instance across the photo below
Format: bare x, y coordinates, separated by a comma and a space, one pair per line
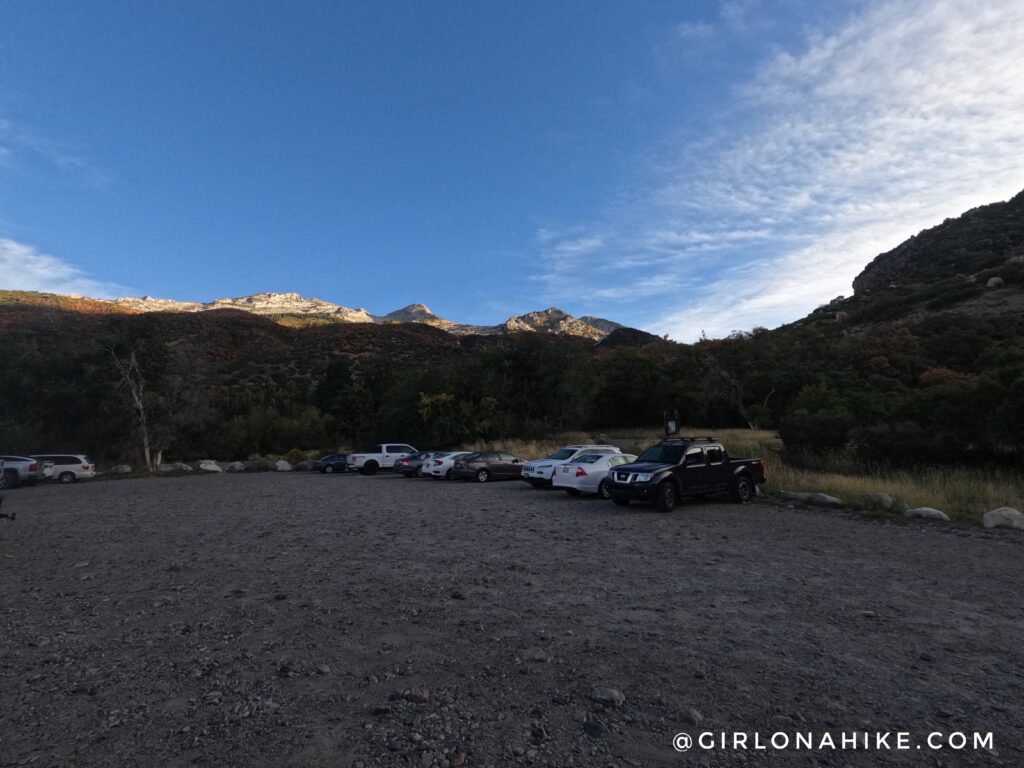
294, 619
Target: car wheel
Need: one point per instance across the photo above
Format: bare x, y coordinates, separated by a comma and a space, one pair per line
449, 475
621, 502
9, 479
666, 496
742, 490
67, 477
329, 469
483, 476
603, 491
370, 468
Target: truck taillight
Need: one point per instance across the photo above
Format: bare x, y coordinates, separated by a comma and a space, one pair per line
581, 472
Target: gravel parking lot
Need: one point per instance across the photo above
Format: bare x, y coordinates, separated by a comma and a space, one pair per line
304, 620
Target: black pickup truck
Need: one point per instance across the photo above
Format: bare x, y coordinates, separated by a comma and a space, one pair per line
684, 466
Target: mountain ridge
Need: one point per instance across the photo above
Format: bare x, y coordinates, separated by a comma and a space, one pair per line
551, 320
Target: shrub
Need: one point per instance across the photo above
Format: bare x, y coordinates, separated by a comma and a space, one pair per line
803, 430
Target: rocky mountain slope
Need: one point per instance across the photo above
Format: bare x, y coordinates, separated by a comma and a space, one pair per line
552, 320
981, 239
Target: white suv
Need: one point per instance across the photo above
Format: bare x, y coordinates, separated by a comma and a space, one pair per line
539, 473
69, 467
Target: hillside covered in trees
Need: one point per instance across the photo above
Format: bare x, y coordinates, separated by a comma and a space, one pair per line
925, 362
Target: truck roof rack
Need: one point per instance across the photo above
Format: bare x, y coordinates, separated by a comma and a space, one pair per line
691, 440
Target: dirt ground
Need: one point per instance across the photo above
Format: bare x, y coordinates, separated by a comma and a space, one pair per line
304, 620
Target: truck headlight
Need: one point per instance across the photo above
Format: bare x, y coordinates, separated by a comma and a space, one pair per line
643, 477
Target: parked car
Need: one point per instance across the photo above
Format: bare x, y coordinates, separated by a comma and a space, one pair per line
442, 465
539, 473
413, 465
589, 473
382, 456
69, 467
685, 466
488, 465
21, 470
332, 462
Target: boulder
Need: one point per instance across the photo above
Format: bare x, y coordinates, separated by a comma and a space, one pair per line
1004, 517
995, 282
927, 513
262, 465
884, 501
166, 467
209, 465
120, 469
608, 696
818, 499
182, 466
235, 466
303, 466
282, 466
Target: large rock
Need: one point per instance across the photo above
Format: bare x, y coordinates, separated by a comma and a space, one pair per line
235, 466
884, 501
303, 466
927, 513
282, 466
818, 499
995, 282
120, 469
1004, 517
209, 465
608, 696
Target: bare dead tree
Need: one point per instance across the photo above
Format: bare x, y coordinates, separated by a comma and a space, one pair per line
133, 382
718, 384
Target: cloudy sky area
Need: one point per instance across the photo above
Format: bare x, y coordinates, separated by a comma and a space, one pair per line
702, 169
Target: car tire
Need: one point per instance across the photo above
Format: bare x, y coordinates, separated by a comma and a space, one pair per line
483, 476
620, 502
742, 489
449, 475
603, 490
67, 477
370, 468
666, 496
329, 469
8, 480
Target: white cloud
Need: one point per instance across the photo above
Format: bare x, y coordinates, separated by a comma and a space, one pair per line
909, 114
26, 269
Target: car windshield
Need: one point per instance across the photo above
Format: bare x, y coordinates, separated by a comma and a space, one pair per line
590, 458
664, 453
562, 455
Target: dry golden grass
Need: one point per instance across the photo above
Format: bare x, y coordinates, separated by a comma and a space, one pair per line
964, 493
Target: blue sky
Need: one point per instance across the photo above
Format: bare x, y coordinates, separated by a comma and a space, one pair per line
681, 167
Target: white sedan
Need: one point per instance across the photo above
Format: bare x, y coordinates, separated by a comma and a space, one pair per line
588, 473
441, 465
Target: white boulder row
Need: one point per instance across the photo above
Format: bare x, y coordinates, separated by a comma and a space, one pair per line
209, 465
1004, 517
235, 466
926, 513
282, 466
820, 499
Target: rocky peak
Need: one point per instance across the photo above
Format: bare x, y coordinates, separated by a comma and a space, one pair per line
982, 238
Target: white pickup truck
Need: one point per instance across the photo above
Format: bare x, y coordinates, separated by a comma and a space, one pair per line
383, 457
